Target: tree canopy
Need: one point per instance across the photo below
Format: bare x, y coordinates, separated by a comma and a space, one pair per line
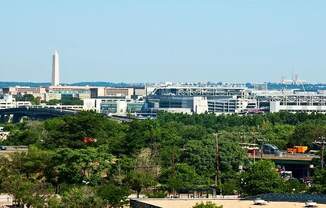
174, 153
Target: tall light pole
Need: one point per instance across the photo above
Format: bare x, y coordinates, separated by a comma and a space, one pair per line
321, 141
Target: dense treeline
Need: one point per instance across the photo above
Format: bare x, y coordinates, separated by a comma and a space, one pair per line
174, 153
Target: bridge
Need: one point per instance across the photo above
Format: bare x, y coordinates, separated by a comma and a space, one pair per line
41, 112
299, 164
34, 113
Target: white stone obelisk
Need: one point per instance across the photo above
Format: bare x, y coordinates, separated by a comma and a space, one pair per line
55, 69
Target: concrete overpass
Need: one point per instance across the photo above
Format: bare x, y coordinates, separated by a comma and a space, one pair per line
299, 164
34, 113
41, 112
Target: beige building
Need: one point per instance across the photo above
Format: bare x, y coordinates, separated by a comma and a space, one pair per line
117, 92
126, 92
56, 92
38, 92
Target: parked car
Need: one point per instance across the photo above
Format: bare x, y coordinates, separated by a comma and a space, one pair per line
3, 147
260, 201
270, 149
310, 203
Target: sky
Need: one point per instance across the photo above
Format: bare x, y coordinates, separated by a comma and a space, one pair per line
163, 40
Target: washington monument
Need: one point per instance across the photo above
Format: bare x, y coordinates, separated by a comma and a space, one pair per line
55, 69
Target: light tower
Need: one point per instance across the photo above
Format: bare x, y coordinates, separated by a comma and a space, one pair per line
55, 69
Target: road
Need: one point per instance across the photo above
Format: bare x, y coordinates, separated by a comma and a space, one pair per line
13, 149
285, 156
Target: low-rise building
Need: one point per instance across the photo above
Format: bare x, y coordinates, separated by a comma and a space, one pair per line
56, 92
128, 93
9, 102
118, 106
37, 92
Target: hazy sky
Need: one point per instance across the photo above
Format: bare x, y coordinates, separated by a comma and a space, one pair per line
163, 40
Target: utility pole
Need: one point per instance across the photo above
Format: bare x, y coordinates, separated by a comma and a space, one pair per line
321, 141
218, 181
254, 136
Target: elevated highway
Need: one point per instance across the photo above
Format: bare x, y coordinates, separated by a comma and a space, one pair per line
33, 112
285, 157
301, 165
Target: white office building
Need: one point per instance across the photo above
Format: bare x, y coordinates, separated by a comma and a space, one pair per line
9, 102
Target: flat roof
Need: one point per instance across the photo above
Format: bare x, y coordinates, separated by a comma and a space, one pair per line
227, 203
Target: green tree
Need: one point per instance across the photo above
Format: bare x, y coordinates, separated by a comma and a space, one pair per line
68, 131
294, 186
30, 98
71, 101
26, 133
79, 166
81, 197
25, 191
261, 178
307, 132
137, 181
319, 185
182, 177
53, 102
140, 134
201, 155
114, 196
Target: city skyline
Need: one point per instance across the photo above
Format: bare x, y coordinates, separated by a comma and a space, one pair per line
172, 41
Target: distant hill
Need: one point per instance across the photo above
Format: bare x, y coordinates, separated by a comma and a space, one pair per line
107, 84
270, 86
46, 84
25, 84
299, 87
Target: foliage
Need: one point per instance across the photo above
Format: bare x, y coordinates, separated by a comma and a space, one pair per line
71, 101
261, 178
78, 166
25, 133
113, 195
156, 194
53, 102
65, 101
28, 97
182, 177
139, 180
173, 153
294, 186
308, 131
207, 205
81, 197
319, 179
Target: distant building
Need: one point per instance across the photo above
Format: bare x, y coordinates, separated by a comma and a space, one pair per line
56, 92
128, 93
113, 105
9, 102
37, 92
233, 99
193, 99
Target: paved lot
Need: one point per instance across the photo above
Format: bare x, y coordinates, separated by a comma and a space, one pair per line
189, 203
13, 149
5, 199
